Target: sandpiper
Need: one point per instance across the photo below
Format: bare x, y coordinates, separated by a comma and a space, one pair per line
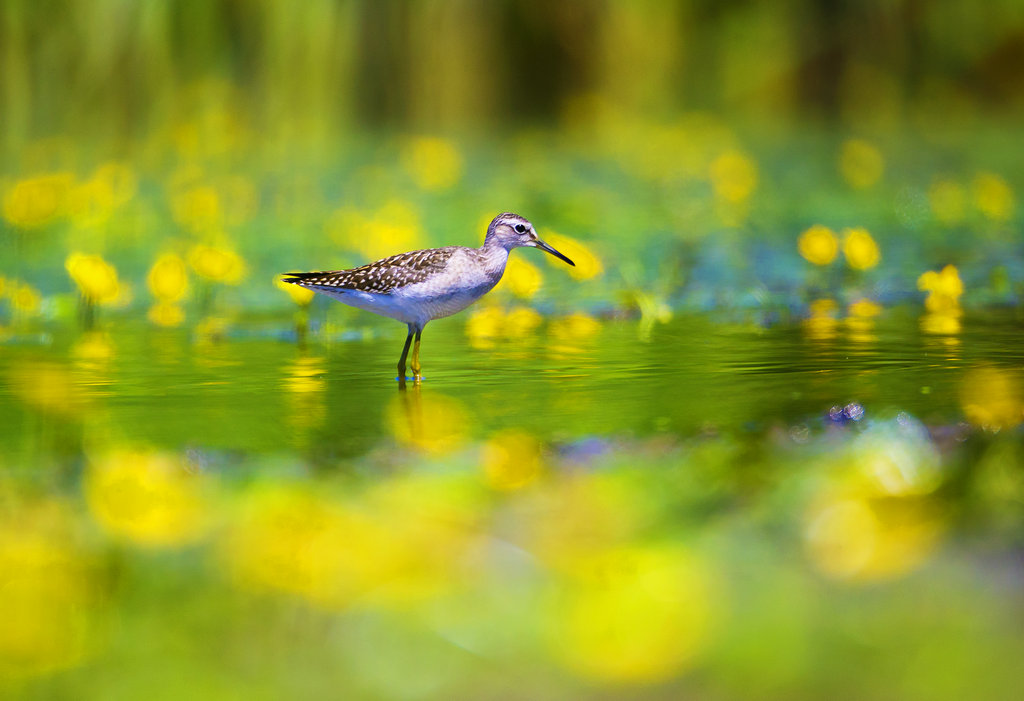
419, 286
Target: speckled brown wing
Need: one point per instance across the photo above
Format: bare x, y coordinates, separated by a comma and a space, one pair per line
381, 276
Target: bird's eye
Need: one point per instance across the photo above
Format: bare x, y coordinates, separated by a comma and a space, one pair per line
520, 229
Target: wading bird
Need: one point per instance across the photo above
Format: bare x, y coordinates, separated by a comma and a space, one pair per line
420, 286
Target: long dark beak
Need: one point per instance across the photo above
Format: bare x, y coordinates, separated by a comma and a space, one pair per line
544, 247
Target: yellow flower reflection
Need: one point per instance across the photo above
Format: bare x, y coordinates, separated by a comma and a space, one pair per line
49, 591
47, 386
166, 314
860, 249
637, 614
860, 163
943, 301
992, 398
147, 498
588, 265
993, 197
511, 460
434, 163
95, 277
818, 244
489, 324
432, 423
822, 323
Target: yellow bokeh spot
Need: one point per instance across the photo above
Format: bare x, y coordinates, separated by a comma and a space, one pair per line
588, 265
35, 202
992, 398
217, 264
821, 324
168, 278
860, 249
198, 209
575, 327
861, 539
432, 423
860, 163
90, 203
511, 460
993, 197
488, 324
434, 163
47, 386
25, 299
521, 278
393, 228
637, 614
95, 277
298, 294
944, 289
119, 180
49, 592
166, 314
948, 201
864, 309
146, 498
818, 244
733, 176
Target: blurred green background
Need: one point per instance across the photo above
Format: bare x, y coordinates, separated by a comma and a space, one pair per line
763, 441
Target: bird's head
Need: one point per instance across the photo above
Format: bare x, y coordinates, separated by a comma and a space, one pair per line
512, 231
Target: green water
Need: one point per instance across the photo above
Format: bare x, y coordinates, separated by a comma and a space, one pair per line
721, 446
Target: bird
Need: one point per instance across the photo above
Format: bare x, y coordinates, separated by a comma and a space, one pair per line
420, 286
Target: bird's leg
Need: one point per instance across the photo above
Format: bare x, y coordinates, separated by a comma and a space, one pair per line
401, 361
416, 357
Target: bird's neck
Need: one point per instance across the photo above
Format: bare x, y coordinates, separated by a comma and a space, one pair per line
494, 257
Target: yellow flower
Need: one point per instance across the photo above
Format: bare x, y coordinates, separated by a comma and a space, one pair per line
944, 289
948, 201
147, 498
95, 277
523, 279
511, 460
733, 176
818, 244
217, 264
166, 314
35, 202
434, 163
300, 295
588, 265
993, 197
860, 249
637, 614
521, 322
860, 163
394, 228
168, 278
